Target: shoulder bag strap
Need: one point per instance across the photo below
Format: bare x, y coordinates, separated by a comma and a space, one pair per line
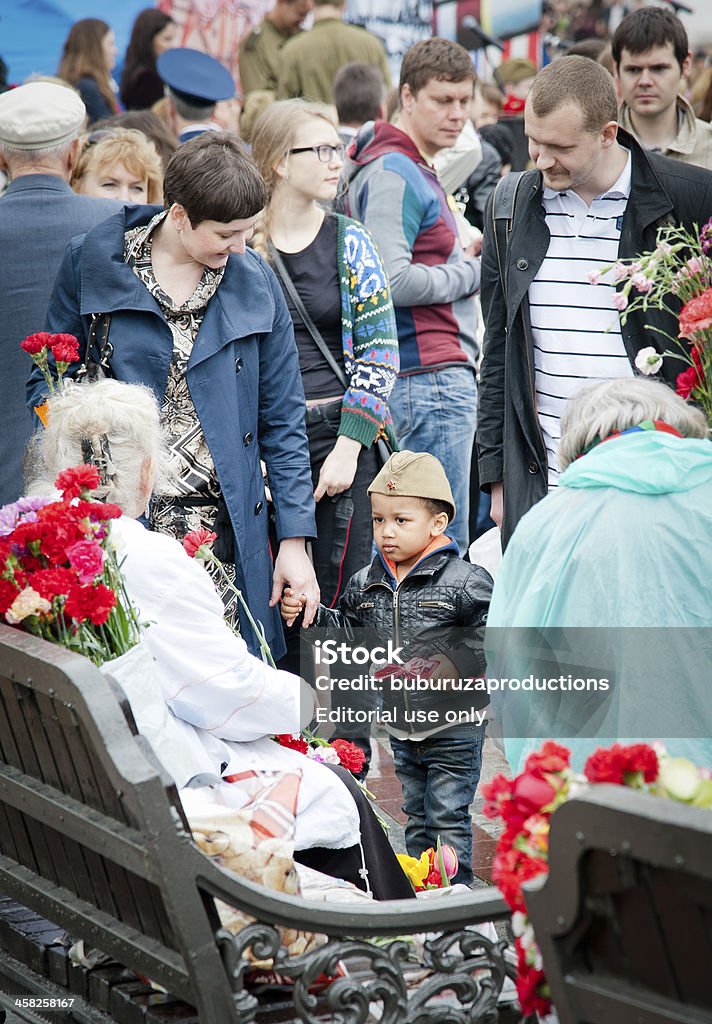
99, 350
503, 208
307, 320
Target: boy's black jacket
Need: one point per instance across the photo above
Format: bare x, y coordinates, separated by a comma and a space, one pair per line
440, 607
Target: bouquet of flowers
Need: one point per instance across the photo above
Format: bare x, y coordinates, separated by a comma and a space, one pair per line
679, 267
59, 574
434, 869
64, 349
525, 805
341, 752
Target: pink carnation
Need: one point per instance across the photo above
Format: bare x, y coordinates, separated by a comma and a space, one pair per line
641, 283
696, 315
86, 557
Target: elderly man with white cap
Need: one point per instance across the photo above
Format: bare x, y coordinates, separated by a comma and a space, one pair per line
39, 214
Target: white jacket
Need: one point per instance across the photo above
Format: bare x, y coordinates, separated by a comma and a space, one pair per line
224, 703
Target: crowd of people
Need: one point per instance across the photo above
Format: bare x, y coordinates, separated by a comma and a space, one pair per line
350, 337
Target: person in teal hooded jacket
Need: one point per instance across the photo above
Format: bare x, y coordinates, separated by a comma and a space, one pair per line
624, 541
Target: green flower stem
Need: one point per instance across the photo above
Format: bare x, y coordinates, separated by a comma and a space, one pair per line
266, 653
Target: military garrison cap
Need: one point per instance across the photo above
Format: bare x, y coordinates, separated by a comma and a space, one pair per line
414, 475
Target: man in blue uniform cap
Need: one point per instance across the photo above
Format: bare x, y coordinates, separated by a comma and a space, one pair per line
195, 83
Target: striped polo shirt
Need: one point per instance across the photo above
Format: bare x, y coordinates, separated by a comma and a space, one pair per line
576, 327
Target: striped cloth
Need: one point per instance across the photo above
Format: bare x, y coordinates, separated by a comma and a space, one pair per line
576, 328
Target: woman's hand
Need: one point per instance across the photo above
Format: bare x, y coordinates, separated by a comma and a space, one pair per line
339, 468
293, 569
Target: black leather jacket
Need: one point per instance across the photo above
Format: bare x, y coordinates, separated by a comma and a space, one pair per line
509, 439
440, 607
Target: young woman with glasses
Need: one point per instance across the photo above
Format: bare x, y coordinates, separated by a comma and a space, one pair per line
334, 268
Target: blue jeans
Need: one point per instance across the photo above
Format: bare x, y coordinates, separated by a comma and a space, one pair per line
437, 413
439, 776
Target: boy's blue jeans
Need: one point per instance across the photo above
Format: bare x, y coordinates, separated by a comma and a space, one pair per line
439, 776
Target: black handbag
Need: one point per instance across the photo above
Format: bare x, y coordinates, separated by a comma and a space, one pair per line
382, 444
99, 350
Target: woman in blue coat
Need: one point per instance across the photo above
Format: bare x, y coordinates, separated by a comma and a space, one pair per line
201, 320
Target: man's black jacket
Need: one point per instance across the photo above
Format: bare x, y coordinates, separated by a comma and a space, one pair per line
509, 439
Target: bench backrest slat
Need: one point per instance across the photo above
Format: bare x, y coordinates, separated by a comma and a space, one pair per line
65, 763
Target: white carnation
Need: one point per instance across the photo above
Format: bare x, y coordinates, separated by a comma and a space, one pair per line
648, 361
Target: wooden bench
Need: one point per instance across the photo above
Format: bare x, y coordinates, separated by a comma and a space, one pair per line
624, 919
93, 839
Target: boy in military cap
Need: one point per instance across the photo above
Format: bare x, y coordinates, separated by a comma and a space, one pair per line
418, 588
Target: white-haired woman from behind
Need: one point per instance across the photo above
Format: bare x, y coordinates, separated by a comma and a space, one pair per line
624, 541
225, 704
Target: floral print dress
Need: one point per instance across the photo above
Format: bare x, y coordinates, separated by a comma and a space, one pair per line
195, 486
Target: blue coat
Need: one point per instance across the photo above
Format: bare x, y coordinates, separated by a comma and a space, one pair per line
243, 376
39, 214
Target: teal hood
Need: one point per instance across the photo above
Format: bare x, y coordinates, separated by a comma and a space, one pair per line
651, 462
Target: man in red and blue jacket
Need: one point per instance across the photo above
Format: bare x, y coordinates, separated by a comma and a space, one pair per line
395, 191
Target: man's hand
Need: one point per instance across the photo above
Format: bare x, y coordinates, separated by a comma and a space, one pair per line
291, 605
339, 468
497, 503
293, 569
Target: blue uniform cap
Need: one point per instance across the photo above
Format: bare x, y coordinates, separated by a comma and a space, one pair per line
195, 76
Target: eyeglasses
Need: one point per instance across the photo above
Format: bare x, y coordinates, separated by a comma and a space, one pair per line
325, 153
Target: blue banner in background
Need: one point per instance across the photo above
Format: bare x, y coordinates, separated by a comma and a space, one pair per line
32, 32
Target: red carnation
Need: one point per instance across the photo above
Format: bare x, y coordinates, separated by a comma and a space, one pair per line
531, 1000
93, 603
8, 593
74, 481
551, 758
35, 343
531, 792
351, 757
640, 757
687, 381
696, 315
496, 792
293, 742
606, 765
65, 348
510, 869
193, 541
98, 511
51, 583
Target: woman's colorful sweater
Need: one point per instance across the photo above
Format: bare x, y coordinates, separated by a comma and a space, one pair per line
370, 339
